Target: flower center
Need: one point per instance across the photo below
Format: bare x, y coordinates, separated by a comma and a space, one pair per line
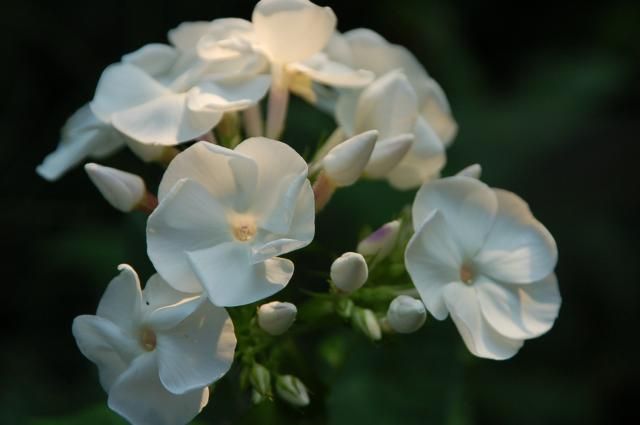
243, 227
148, 339
467, 274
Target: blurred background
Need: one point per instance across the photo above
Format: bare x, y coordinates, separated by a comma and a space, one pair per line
547, 97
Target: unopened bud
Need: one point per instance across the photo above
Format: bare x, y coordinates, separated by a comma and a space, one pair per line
406, 314
276, 317
292, 390
345, 163
387, 154
260, 379
381, 241
365, 320
124, 191
349, 272
344, 308
474, 171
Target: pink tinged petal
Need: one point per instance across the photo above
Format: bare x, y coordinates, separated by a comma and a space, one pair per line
479, 337
122, 300
519, 312
154, 59
518, 249
139, 396
165, 120
388, 105
468, 206
105, 344
433, 259
198, 351
292, 30
164, 307
187, 218
423, 162
230, 278
123, 86
229, 96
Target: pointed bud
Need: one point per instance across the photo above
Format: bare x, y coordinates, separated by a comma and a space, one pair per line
474, 171
122, 190
349, 272
380, 242
292, 390
345, 163
276, 317
260, 379
365, 320
387, 154
406, 314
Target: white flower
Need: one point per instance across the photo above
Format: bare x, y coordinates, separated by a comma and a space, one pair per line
406, 314
82, 136
345, 163
480, 255
156, 350
349, 272
390, 106
154, 98
382, 241
276, 317
225, 216
364, 48
124, 191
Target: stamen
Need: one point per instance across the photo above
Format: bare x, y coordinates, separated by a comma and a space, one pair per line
148, 339
243, 228
467, 274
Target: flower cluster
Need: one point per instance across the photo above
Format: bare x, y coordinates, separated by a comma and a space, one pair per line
233, 201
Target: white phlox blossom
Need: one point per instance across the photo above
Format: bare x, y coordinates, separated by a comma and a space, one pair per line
479, 255
156, 349
225, 216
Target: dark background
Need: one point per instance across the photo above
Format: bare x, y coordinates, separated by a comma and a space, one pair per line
546, 96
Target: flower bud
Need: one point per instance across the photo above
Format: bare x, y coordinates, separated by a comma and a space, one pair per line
276, 317
261, 380
344, 308
345, 163
474, 171
381, 241
292, 390
122, 190
365, 321
406, 314
349, 272
387, 154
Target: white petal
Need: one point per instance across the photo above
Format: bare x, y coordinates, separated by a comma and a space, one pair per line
198, 351
518, 249
388, 105
474, 171
230, 278
423, 162
123, 86
121, 189
187, 218
165, 120
433, 259
387, 154
164, 307
139, 396
230, 96
122, 300
324, 71
435, 109
467, 205
479, 337
519, 312
154, 59
106, 345
186, 35
345, 163
282, 174
345, 112
292, 30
